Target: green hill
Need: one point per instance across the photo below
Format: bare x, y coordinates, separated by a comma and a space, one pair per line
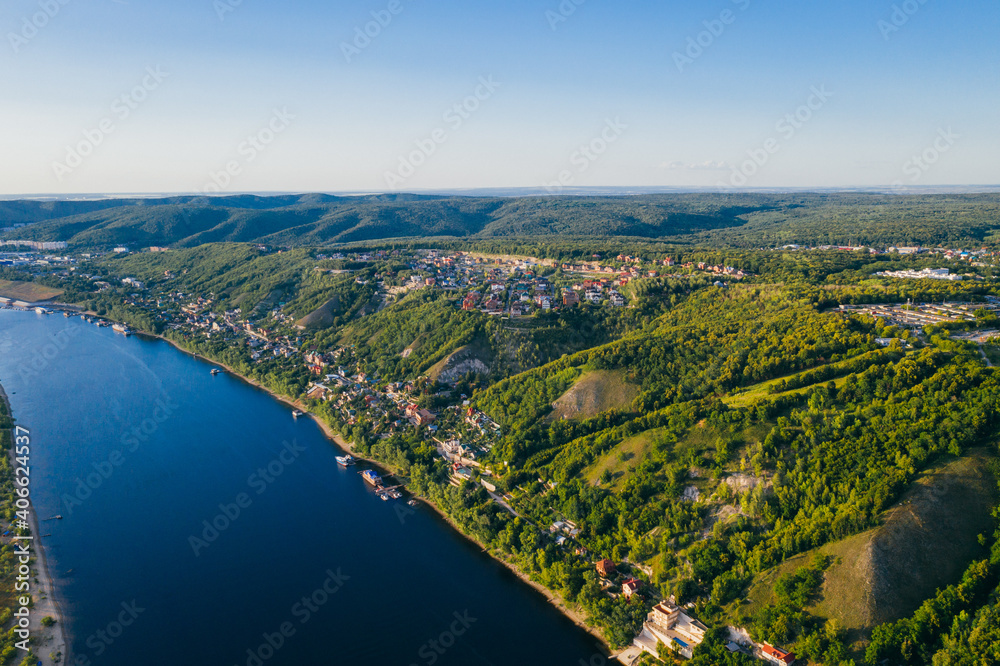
925, 542
740, 220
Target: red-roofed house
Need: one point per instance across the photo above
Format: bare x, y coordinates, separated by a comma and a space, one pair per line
630, 587
606, 568
777, 656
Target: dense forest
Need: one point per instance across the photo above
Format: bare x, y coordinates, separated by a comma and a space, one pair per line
748, 220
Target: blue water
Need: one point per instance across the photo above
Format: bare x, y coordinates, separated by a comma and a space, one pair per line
135, 444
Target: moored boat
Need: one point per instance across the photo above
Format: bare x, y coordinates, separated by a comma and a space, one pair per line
121, 328
345, 461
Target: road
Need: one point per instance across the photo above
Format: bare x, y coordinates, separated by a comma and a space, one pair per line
985, 357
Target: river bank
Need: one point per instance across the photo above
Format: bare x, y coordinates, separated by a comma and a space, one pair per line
336, 438
51, 640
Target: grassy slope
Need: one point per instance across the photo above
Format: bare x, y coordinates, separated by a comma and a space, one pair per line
762, 390
28, 291
925, 543
594, 392
322, 316
622, 459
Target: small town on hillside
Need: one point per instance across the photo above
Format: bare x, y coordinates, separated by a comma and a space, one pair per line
462, 435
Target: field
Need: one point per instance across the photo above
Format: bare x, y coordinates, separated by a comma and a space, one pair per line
595, 392
28, 291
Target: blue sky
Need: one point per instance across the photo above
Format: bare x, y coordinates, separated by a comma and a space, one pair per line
254, 95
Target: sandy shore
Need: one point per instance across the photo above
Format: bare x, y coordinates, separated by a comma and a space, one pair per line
46, 640
578, 618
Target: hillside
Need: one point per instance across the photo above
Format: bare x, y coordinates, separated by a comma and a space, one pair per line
736, 220
710, 437
924, 543
323, 219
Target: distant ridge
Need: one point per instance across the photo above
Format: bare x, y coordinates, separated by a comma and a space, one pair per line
748, 219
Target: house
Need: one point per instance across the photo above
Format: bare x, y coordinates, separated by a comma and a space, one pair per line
606, 568
667, 624
630, 587
317, 392
424, 417
570, 297
776, 656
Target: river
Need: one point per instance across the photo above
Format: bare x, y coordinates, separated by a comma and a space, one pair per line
203, 525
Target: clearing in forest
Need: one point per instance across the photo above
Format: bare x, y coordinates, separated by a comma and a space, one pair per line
595, 392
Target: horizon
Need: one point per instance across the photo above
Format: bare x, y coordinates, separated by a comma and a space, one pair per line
518, 192
225, 96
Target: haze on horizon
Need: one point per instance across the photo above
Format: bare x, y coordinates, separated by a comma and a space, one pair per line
233, 96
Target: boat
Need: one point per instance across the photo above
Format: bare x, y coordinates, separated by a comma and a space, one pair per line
345, 461
385, 497
412, 502
215, 371
121, 328
372, 477
297, 413
395, 494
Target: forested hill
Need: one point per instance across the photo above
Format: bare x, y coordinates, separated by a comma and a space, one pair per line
735, 220
322, 219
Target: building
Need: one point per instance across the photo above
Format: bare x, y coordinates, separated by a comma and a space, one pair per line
424, 417
773, 655
606, 568
570, 298
667, 624
630, 587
